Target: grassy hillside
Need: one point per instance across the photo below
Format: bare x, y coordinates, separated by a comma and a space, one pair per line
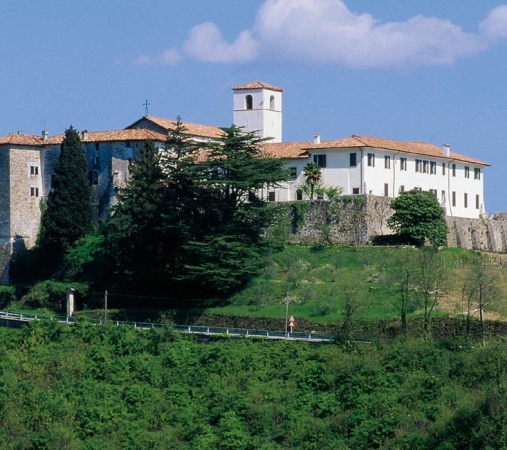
315, 278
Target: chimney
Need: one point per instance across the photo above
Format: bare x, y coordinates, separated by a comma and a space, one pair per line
316, 139
44, 135
84, 135
446, 150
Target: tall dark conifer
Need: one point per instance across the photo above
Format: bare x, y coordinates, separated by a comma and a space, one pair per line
135, 229
67, 215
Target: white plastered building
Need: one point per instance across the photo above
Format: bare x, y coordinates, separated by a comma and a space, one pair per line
362, 165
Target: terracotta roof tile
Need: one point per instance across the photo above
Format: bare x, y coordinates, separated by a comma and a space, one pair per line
257, 85
139, 134
193, 129
419, 148
21, 139
136, 134
286, 149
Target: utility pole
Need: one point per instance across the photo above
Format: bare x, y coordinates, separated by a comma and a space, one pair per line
105, 306
287, 300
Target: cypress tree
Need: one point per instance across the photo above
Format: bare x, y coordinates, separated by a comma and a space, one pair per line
67, 215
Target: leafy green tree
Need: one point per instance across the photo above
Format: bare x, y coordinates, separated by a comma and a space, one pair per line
313, 175
67, 216
418, 217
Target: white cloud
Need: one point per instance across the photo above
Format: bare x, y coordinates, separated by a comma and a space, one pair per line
169, 57
495, 24
206, 43
327, 32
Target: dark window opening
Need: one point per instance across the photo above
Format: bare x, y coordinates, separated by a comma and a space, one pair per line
320, 160
249, 102
353, 159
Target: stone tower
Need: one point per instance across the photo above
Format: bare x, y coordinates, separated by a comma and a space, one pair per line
258, 107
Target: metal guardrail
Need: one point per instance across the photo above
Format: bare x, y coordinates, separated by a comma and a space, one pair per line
188, 329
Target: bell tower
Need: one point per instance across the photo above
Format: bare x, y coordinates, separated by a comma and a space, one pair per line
258, 107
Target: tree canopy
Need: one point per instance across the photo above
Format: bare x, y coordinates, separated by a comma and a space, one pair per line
418, 217
191, 219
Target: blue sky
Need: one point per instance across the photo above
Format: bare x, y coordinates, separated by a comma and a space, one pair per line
416, 70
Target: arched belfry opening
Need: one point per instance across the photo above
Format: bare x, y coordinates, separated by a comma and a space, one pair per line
272, 103
249, 102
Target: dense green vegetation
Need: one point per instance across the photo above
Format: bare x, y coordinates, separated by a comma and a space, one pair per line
95, 387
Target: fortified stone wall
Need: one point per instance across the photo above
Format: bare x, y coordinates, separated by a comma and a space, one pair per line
358, 219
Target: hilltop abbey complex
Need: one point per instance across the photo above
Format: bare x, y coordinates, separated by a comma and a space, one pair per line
357, 164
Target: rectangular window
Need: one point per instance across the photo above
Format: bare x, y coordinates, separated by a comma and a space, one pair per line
386, 190
453, 198
34, 171
433, 167
403, 163
96, 146
434, 192
371, 159
477, 202
271, 196
418, 164
477, 173
467, 172
425, 167
465, 200
355, 191
443, 197
34, 192
353, 159
320, 160
387, 162
454, 170
127, 144
443, 168
293, 173
299, 194
402, 188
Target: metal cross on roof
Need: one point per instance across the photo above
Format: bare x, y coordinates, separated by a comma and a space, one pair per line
146, 104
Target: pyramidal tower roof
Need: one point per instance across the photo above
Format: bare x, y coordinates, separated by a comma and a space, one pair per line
257, 85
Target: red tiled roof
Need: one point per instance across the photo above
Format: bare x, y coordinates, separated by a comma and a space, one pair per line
21, 139
257, 85
138, 134
286, 149
300, 149
193, 129
420, 148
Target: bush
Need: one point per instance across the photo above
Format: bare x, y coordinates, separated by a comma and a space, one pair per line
7, 295
50, 294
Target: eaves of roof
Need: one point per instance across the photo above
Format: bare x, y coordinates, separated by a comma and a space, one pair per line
302, 149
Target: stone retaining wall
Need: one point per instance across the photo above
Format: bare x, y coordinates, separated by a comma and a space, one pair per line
353, 220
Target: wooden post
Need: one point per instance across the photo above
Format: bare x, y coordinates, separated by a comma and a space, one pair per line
105, 306
286, 313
